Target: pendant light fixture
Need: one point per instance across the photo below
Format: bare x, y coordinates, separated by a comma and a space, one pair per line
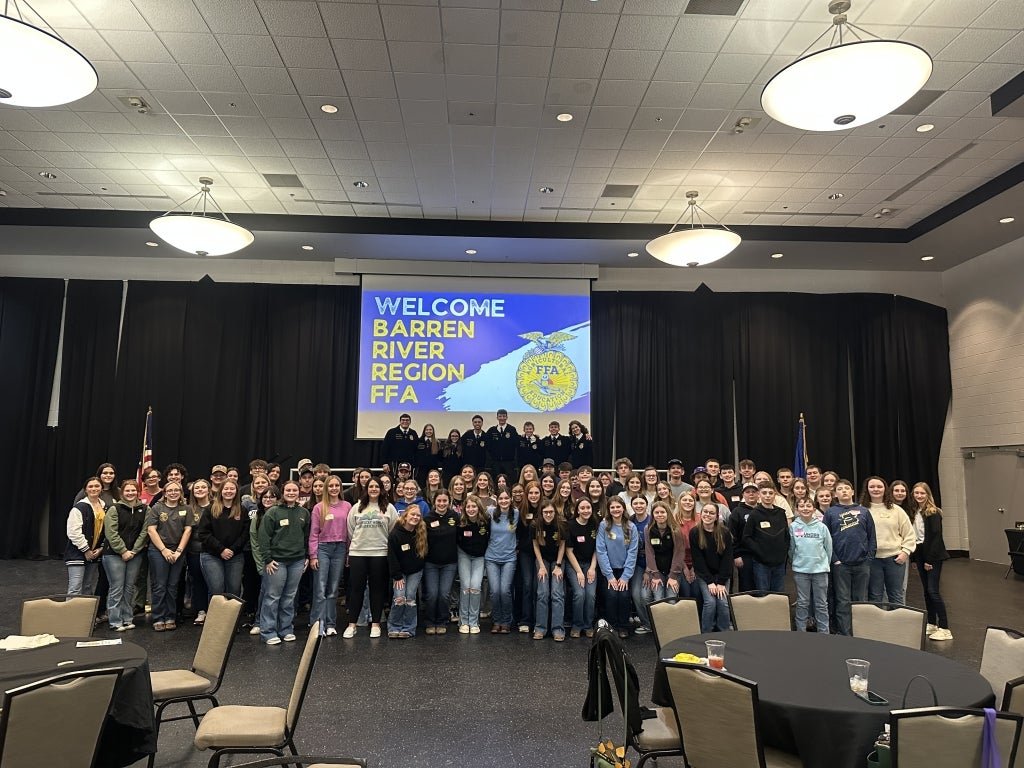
695, 245
849, 84
200, 233
37, 67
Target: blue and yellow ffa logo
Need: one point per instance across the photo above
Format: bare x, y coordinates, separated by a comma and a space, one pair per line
546, 378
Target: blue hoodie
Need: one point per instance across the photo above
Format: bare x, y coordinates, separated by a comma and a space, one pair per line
810, 546
612, 551
853, 533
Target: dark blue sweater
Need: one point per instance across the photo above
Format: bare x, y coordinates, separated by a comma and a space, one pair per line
853, 533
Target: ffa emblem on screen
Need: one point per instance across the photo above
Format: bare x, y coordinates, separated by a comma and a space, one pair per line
546, 377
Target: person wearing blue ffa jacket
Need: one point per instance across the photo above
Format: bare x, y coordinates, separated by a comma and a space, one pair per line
399, 444
502, 445
474, 446
555, 446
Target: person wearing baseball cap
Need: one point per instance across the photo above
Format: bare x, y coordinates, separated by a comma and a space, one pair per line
737, 519
218, 474
675, 478
548, 468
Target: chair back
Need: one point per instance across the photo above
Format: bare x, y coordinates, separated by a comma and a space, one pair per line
302, 761
717, 715
60, 615
1013, 696
948, 737
889, 623
761, 610
218, 636
674, 618
302, 677
1002, 657
73, 706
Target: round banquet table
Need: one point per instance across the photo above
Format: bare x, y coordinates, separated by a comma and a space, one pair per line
130, 732
805, 703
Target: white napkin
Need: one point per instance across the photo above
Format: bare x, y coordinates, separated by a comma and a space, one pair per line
22, 642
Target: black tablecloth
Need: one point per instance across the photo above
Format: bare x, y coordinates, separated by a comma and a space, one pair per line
806, 706
130, 732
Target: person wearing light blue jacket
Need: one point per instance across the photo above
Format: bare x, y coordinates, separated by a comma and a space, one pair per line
810, 549
500, 560
618, 542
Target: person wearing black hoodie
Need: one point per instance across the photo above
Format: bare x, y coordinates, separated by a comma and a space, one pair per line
737, 520
766, 538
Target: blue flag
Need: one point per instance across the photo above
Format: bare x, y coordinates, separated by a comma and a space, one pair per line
800, 457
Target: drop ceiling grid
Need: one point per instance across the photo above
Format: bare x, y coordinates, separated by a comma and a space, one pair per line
293, 50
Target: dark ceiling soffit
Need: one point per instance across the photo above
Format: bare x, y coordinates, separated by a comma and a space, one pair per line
1006, 95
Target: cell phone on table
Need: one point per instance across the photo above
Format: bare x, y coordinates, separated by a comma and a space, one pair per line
872, 698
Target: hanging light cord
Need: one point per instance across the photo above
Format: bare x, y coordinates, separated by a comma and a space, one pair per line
200, 197
17, 14
692, 205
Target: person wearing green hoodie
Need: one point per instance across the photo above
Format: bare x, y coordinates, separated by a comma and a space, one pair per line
810, 550
282, 542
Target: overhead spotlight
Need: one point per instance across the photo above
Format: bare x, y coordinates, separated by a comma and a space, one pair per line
777, 255
330, 109
564, 117
471, 251
927, 258
925, 127
151, 244
632, 254
1007, 220
307, 247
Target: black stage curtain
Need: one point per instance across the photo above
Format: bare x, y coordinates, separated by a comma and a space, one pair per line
788, 358
83, 438
30, 312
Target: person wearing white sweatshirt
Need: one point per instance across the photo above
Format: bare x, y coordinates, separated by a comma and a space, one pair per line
895, 539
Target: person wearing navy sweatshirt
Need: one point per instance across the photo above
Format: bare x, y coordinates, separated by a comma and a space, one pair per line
617, 544
853, 548
407, 548
442, 561
711, 549
549, 533
766, 538
474, 534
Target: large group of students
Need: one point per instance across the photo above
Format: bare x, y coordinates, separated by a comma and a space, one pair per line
499, 524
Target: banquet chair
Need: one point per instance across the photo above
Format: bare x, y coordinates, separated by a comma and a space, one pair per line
760, 610
202, 681
306, 761
60, 615
237, 729
889, 623
1002, 657
673, 618
727, 732
72, 707
949, 737
1013, 696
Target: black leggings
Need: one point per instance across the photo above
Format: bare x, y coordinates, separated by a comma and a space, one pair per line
933, 602
363, 571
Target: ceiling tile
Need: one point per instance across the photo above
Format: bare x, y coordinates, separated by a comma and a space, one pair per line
413, 85
620, 92
586, 30
411, 24
684, 67
161, 77
111, 14
471, 59
569, 92
292, 18
425, 112
717, 96
266, 80
362, 54
522, 90
524, 61
1011, 53
250, 50
673, 95
292, 128
352, 20
973, 44
377, 85
235, 17
318, 82
306, 52
115, 74
464, 25
416, 56
182, 102
381, 110
108, 122
534, 28
700, 34
735, 68
471, 88
207, 77
631, 65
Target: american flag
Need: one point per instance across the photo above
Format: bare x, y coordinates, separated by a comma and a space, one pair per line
146, 461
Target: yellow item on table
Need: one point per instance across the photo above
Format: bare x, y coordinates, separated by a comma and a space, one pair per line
686, 658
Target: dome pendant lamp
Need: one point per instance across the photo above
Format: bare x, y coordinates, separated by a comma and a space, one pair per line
695, 245
199, 233
849, 84
37, 67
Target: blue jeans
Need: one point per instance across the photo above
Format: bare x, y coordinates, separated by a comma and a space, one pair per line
887, 579
163, 580
403, 606
851, 585
769, 578
471, 577
500, 576
121, 576
222, 576
636, 591
550, 594
583, 598
526, 580
81, 579
933, 602
811, 589
280, 587
663, 590
437, 584
715, 614
330, 564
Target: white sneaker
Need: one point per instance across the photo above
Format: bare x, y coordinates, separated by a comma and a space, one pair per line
463, 629
200, 618
289, 638
274, 641
474, 630
524, 628
930, 629
349, 633
941, 634
375, 631
331, 632
254, 631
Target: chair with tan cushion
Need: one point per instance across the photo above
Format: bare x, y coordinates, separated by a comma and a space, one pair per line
202, 681
1013, 696
1002, 657
60, 615
235, 729
889, 623
674, 618
947, 737
303, 761
56, 721
718, 719
760, 610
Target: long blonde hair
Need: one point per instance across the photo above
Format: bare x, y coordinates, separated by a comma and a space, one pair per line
420, 529
928, 508
217, 508
325, 498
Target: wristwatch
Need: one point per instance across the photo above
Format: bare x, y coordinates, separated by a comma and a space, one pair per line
558, 565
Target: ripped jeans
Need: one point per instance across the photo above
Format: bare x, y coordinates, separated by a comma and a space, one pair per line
403, 605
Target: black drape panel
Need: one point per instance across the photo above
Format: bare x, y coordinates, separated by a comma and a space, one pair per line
603, 370
789, 357
30, 311
81, 441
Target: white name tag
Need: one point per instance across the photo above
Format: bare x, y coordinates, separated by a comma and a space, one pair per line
655, 542
435, 523
182, 513
330, 517
765, 524
406, 547
284, 522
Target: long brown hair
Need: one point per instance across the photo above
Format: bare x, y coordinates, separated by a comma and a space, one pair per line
481, 512
539, 534
718, 534
420, 530
609, 522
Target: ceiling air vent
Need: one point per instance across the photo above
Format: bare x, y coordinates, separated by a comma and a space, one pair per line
713, 7
620, 190
282, 180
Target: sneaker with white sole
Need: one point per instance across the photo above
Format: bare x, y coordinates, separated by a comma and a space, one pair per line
331, 632
642, 630
200, 618
523, 629
463, 629
941, 634
289, 638
274, 641
930, 629
375, 631
254, 631
474, 630
349, 633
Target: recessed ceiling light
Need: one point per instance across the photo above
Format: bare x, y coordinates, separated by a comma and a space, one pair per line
925, 127
927, 258
564, 117
307, 247
1007, 220
632, 254
360, 184
836, 196
3, 193
471, 251
547, 190
151, 244
330, 109
48, 175
777, 255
